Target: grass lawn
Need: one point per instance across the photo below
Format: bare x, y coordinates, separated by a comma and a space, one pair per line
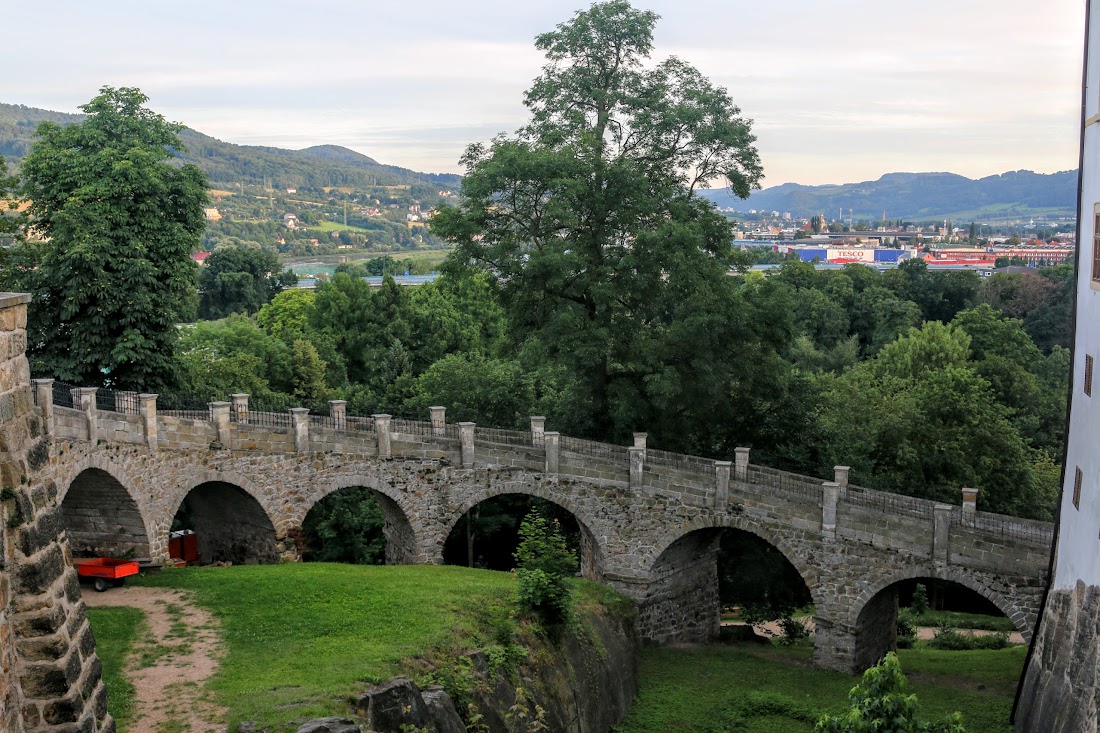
763, 689
961, 620
115, 628
332, 226
302, 637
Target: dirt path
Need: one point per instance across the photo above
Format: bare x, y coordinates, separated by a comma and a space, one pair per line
176, 652
771, 628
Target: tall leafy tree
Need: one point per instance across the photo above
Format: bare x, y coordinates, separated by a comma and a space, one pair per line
589, 222
240, 280
121, 221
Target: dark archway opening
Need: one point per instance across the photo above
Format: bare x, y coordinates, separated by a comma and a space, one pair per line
710, 569
756, 580
229, 525
102, 520
357, 525
488, 534
947, 605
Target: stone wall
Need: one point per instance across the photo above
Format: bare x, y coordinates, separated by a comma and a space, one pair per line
681, 599
49, 672
1058, 693
102, 520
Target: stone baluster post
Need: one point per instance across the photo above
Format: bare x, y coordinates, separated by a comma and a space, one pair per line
741, 464
84, 400
240, 408
219, 413
299, 419
640, 441
553, 452
830, 496
338, 410
941, 535
970, 503
538, 431
147, 408
722, 485
466, 439
840, 476
636, 457
124, 403
43, 391
382, 429
439, 421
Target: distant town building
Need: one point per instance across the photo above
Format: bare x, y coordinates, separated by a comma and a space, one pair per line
212, 214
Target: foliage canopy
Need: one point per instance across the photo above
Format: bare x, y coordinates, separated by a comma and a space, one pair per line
115, 275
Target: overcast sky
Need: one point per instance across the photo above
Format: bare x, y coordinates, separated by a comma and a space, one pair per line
840, 90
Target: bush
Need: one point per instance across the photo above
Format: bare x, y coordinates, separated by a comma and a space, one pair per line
792, 630
880, 704
920, 600
907, 628
544, 564
953, 640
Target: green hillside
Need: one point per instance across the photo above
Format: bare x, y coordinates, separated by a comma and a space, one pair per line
225, 163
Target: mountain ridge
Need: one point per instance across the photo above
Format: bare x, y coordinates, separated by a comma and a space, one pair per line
919, 196
228, 163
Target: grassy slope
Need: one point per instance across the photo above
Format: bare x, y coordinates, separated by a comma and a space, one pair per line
115, 629
703, 689
301, 638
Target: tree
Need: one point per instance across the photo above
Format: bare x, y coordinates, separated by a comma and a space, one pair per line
544, 562
8, 185
880, 704
240, 280
589, 222
121, 221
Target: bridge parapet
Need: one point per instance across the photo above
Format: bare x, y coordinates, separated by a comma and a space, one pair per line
836, 509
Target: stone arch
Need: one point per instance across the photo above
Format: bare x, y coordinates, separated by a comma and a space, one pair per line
1016, 614
592, 542
101, 514
234, 521
403, 530
808, 572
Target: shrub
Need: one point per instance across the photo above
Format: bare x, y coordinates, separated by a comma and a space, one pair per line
544, 564
953, 640
880, 704
907, 628
792, 630
920, 600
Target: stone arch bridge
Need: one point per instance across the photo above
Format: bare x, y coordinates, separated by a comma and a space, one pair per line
650, 520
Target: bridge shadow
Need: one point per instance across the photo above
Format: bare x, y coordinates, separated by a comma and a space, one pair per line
359, 525
487, 534
101, 518
231, 526
707, 569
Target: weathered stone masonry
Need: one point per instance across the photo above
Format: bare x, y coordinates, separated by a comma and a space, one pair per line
49, 672
649, 519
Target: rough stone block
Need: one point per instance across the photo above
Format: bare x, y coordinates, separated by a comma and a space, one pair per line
393, 704
37, 574
329, 725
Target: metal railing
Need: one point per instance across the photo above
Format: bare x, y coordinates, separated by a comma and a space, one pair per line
595, 449
679, 461
109, 400
271, 412
62, 394
888, 502
785, 481
411, 427
185, 406
1004, 527
502, 437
